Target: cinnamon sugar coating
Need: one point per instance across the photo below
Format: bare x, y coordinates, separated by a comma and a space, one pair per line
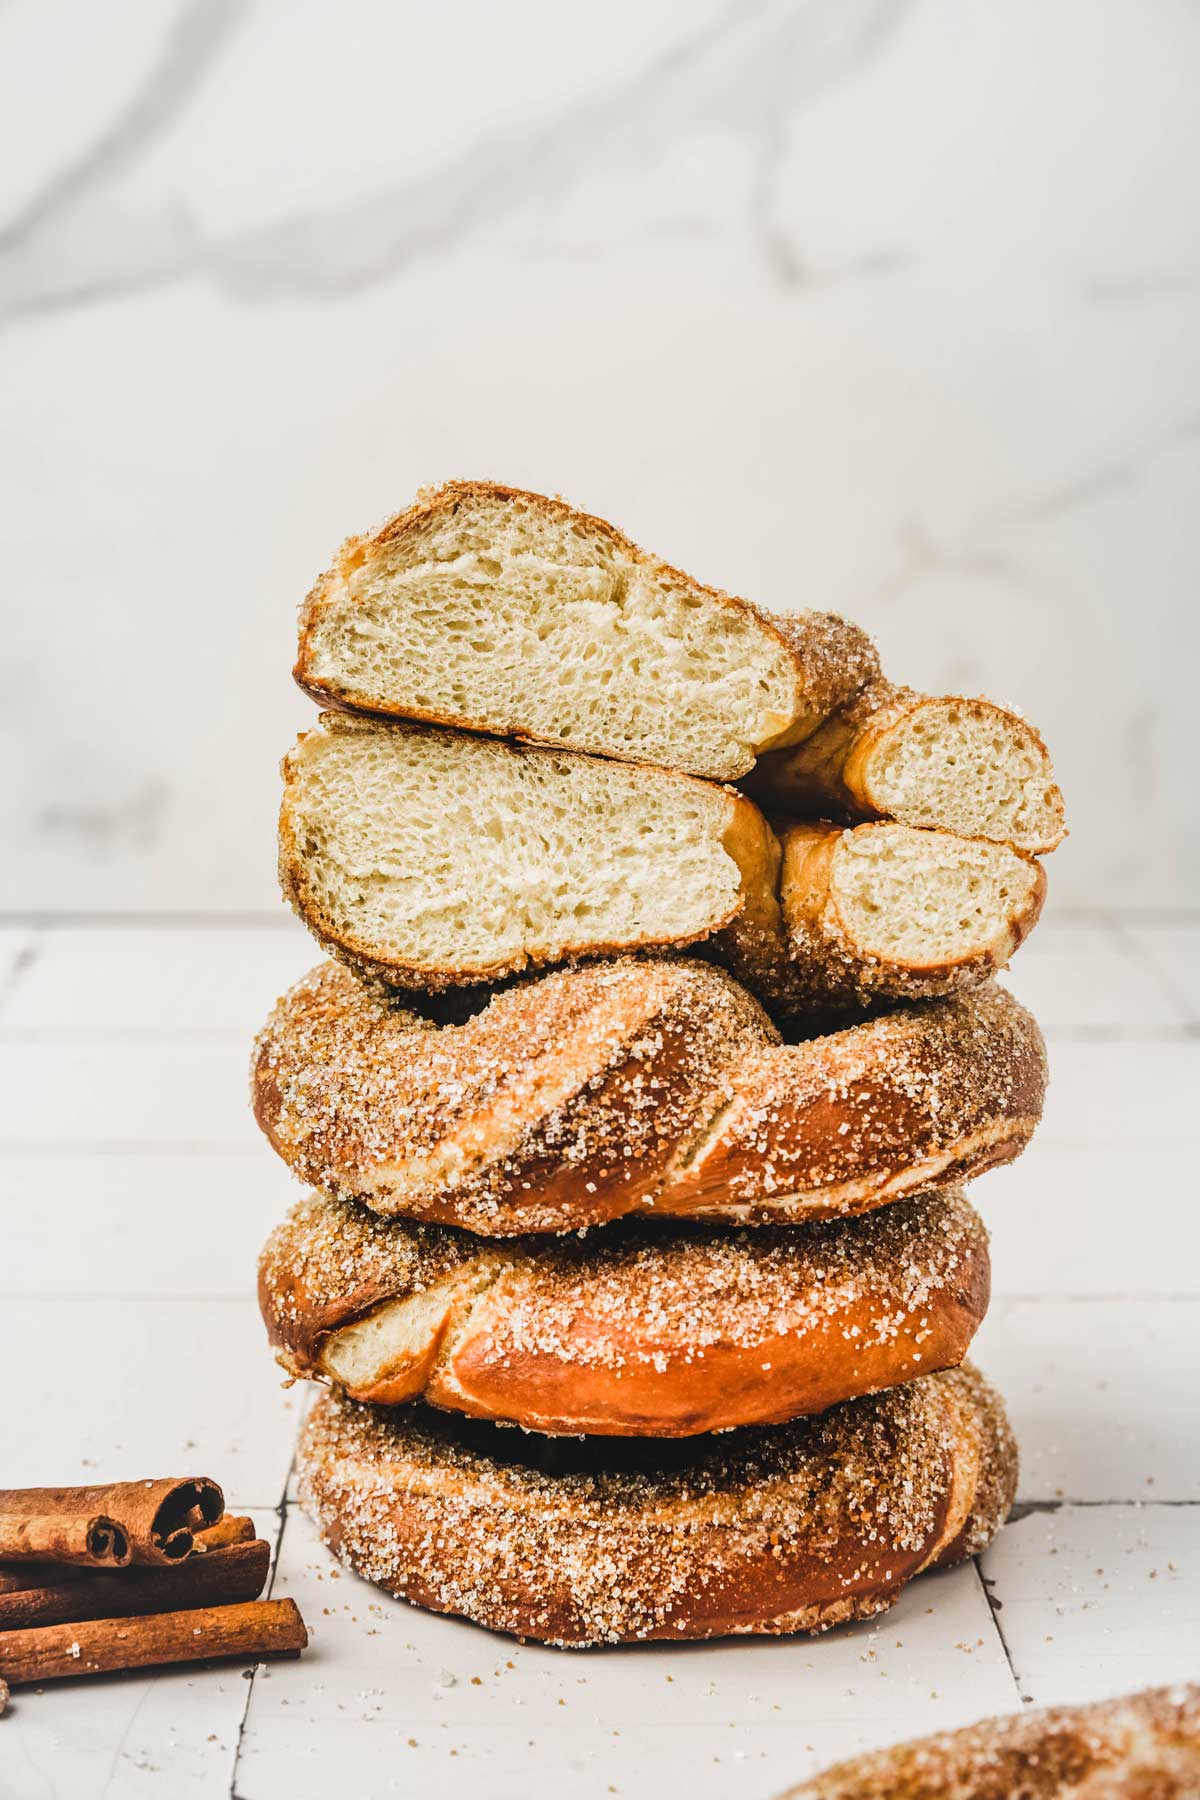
607, 1088
837, 656
590, 1075
633, 1329
926, 1093
773, 1530
1140, 1747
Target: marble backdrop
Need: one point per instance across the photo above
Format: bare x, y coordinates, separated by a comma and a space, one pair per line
882, 305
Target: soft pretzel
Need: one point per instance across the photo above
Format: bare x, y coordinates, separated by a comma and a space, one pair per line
634, 1331
633, 1086
781, 1529
1139, 1747
432, 859
943, 762
885, 912
508, 612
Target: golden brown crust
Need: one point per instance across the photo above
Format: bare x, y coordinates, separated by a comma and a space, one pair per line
832, 657
989, 1447
745, 836
817, 962
921, 1098
838, 658
558, 1106
632, 1085
1139, 1747
774, 1530
822, 777
832, 772
634, 1331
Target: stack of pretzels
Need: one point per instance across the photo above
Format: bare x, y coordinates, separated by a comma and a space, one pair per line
636, 1102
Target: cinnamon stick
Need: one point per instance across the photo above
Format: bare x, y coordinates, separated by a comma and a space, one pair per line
150, 1522
100, 1646
18, 1577
15, 1577
232, 1529
85, 1536
230, 1573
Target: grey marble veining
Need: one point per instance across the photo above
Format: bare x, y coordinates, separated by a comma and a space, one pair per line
743, 68
886, 305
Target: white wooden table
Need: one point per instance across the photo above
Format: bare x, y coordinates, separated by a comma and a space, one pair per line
136, 1193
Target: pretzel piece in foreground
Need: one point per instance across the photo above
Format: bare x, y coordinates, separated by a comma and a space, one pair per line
1138, 1747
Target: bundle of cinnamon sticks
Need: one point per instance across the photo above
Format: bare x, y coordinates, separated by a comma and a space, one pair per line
132, 1575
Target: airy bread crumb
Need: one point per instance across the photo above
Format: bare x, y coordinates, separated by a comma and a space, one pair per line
887, 911
941, 762
508, 612
434, 857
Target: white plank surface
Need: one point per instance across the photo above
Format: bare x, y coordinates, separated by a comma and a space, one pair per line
130, 1091
115, 1389
398, 1701
1102, 1393
135, 1192
152, 1223
16, 951
1099, 1600
1173, 951
1141, 1091
1070, 1219
1091, 977
124, 1737
106, 980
